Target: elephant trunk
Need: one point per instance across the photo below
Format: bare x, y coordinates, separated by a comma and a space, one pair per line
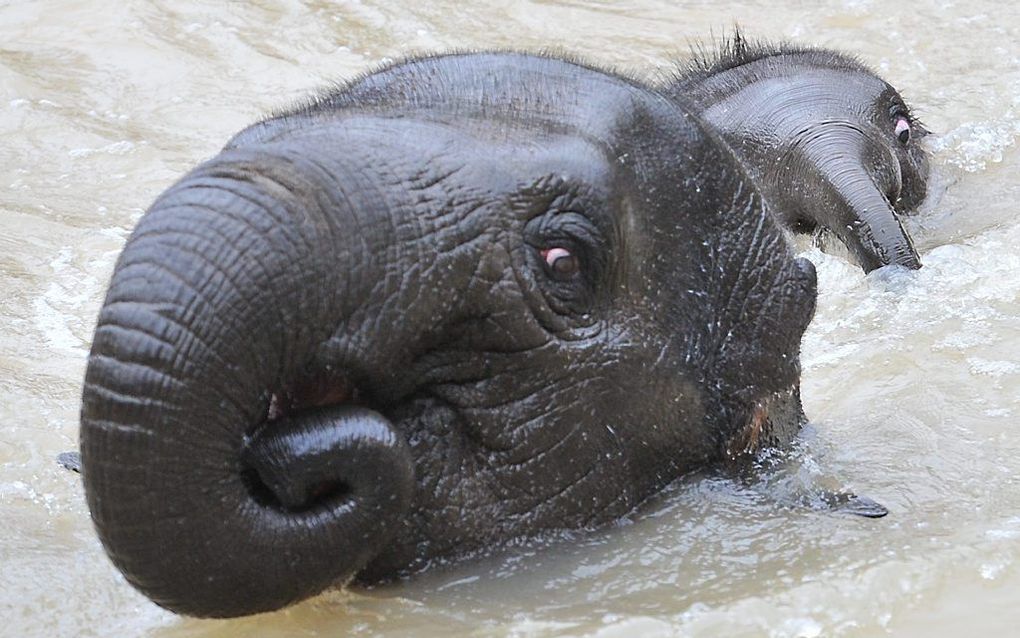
859, 181
231, 463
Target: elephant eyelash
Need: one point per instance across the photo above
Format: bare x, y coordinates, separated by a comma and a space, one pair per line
902, 109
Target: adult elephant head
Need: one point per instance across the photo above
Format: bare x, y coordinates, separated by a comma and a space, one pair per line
830, 143
465, 299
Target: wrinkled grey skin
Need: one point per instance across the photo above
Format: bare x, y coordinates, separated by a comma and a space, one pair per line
818, 133
343, 348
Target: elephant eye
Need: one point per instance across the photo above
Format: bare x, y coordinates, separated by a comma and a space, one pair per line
902, 129
562, 263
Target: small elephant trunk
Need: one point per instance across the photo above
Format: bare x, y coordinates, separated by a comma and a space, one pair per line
229, 465
855, 202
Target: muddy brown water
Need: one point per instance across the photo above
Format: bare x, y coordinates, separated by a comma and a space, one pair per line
911, 378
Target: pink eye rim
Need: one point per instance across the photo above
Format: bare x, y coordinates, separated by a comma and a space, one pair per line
902, 129
560, 261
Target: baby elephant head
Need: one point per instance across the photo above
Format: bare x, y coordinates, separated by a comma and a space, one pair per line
830, 143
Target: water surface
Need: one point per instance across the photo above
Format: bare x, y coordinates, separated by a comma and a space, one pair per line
912, 379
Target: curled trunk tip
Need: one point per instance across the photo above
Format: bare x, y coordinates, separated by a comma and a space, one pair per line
206, 503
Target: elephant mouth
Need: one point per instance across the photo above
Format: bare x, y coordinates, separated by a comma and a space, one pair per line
312, 392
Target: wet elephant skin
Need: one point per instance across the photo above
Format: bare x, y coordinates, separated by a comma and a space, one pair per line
462, 300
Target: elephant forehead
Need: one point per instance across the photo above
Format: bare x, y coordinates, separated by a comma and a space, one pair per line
500, 89
784, 102
417, 152
502, 97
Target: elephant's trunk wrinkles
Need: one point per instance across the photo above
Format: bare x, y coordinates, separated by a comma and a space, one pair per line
859, 202
872, 230
228, 466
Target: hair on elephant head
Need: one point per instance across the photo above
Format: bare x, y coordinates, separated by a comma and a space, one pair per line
830, 143
463, 299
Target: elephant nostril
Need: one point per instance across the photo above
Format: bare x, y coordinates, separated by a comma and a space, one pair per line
328, 491
336, 459
294, 497
259, 491
270, 472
